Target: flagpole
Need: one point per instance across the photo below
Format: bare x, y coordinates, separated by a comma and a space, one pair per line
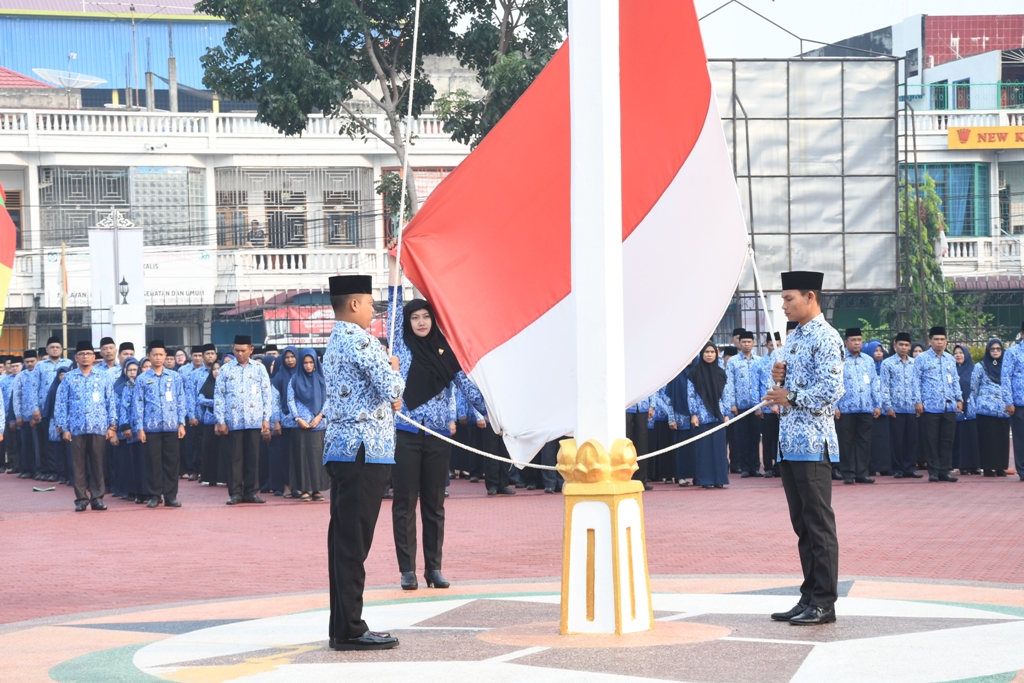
64, 296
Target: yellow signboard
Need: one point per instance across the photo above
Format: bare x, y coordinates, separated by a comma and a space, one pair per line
986, 137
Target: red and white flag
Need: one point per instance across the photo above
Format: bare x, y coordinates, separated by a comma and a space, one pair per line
490, 248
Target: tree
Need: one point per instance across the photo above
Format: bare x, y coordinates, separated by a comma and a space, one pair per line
295, 57
507, 42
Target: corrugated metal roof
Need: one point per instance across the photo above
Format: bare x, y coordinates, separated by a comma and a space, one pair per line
142, 8
104, 47
12, 79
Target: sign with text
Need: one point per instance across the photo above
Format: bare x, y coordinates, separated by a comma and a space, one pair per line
986, 137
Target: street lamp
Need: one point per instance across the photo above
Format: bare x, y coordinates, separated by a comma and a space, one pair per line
123, 289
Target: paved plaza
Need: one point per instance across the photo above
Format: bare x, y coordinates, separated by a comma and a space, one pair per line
931, 584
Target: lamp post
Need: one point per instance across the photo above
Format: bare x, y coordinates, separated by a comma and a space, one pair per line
123, 289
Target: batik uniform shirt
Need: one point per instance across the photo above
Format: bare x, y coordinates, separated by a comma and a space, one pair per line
243, 397
681, 421
125, 414
938, 381
743, 373
287, 419
192, 384
697, 407
986, 396
641, 406
158, 402
361, 386
1013, 376
434, 413
900, 390
453, 402
47, 372
85, 404
863, 389
204, 408
764, 376
111, 371
26, 393
301, 411
662, 408
814, 356
6, 384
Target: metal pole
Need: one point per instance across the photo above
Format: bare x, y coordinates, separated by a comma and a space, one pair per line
64, 295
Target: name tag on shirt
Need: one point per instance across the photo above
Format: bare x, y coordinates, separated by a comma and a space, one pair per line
867, 379
949, 378
253, 389
95, 397
169, 395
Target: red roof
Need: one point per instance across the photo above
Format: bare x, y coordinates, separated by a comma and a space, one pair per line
13, 79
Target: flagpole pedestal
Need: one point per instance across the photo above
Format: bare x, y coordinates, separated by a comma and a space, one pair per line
606, 587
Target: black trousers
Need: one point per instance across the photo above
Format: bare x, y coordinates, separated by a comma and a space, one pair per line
27, 449
48, 454
87, 454
1017, 425
903, 437
748, 442
936, 439
770, 441
421, 468
12, 441
355, 504
994, 442
211, 452
636, 431
496, 473
854, 431
192, 449
244, 447
162, 455
808, 487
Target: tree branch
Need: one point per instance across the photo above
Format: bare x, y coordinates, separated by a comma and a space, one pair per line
372, 131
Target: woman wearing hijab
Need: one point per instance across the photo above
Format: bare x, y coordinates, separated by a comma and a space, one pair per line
306, 394
988, 404
58, 446
709, 395
429, 366
134, 455
215, 467
881, 447
966, 457
679, 422
280, 469
916, 349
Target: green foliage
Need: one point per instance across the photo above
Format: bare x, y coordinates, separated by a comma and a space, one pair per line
390, 189
507, 42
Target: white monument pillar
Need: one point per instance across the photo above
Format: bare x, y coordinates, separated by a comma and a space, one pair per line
605, 584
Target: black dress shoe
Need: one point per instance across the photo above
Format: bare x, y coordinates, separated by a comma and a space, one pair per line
506, 491
756, 474
864, 480
153, 502
848, 481
367, 641
897, 475
745, 475
234, 500
946, 476
520, 485
473, 480
769, 474
913, 475
253, 498
25, 475
797, 610
139, 500
171, 503
933, 478
836, 475
435, 579
549, 490
492, 491
813, 616
531, 487
409, 581
648, 487
81, 505
97, 504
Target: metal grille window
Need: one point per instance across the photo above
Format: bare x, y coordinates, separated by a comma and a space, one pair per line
964, 191
167, 204
72, 200
232, 219
13, 204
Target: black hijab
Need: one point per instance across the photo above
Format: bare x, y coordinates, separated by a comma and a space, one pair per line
709, 381
993, 367
433, 366
964, 371
676, 389
206, 391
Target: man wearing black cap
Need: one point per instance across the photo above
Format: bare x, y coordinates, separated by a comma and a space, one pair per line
108, 359
12, 437
736, 336
271, 350
363, 391
809, 383
125, 350
243, 405
742, 372
938, 385
861, 403
86, 417
1013, 397
158, 412
900, 390
191, 374
46, 370
769, 415
26, 394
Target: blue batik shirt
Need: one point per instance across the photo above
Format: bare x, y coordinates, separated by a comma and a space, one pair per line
986, 396
814, 356
125, 408
743, 373
111, 371
1013, 376
361, 386
899, 385
85, 404
204, 410
47, 370
158, 402
863, 388
938, 381
662, 408
697, 407
641, 406
300, 411
243, 398
192, 384
26, 394
434, 413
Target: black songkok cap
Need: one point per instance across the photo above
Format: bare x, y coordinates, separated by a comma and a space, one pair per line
41, 351
938, 330
16, 359
126, 346
730, 351
270, 347
738, 331
902, 336
54, 340
208, 347
156, 344
106, 340
243, 339
31, 353
197, 349
853, 332
768, 338
791, 325
802, 279
83, 345
746, 334
351, 284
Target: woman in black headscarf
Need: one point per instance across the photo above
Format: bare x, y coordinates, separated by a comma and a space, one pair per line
966, 456
708, 396
305, 398
124, 388
988, 404
214, 468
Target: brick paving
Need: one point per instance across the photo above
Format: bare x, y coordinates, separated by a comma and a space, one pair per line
61, 562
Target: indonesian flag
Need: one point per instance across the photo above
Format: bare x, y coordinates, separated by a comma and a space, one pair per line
8, 240
491, 247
